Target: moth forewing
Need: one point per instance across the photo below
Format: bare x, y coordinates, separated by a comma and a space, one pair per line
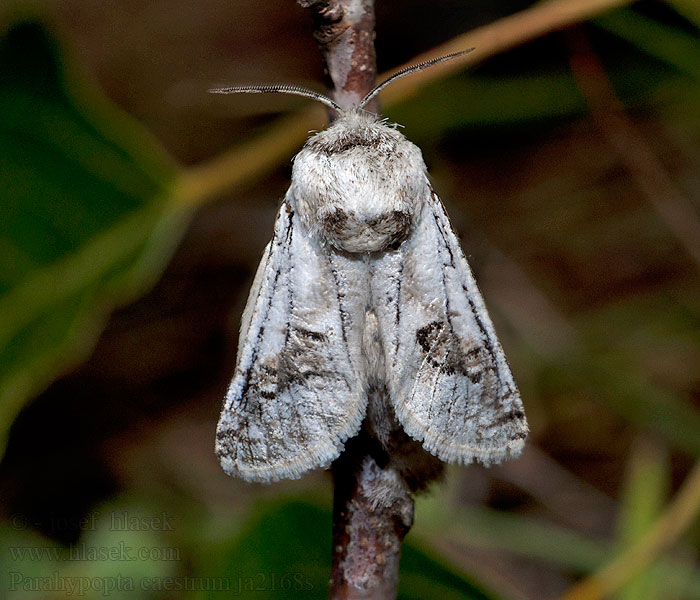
296, 395
449, 380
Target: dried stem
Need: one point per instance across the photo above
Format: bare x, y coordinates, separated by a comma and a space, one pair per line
632, 149
680, 514
372, 507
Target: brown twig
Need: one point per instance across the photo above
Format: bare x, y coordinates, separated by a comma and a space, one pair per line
344, 30
372, 513
372, 506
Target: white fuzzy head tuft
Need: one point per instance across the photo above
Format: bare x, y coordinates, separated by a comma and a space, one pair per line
359, 184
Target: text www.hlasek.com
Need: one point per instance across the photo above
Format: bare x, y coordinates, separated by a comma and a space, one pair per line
80, 552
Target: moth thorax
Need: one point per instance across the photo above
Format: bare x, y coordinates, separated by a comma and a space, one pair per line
359, 184
350, 232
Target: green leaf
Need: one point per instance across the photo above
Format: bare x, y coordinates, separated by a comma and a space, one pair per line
88, 217
284, 552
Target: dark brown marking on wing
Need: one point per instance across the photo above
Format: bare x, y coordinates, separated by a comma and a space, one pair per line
508, 417
302, 360
314, 335
426, 337
290, 229
486, 338
443, 352
397, 316
258, 338
339, 297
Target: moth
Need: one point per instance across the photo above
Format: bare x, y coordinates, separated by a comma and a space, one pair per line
364, 308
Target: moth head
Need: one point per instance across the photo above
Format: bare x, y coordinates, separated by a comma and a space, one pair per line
359, 184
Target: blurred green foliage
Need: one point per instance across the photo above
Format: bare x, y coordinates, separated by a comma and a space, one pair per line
283, 551
106, 562
489, 530
87, 215
287, 548
644, 495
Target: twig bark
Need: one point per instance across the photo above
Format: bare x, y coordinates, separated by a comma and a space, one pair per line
344, 31
372, 513
372, 506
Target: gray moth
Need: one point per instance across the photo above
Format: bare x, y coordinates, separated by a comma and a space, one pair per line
364, 308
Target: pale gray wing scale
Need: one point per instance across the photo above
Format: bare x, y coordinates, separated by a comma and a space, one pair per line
297, 393
448, 378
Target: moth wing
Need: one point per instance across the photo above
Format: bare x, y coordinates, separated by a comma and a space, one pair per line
297, 393
448, 379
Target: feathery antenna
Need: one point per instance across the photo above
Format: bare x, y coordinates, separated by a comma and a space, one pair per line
283, 88
279, 88
408, 71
